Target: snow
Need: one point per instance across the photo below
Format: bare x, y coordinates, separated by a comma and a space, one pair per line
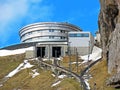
13, 52
53, 75
96, 54
27, 64
60, 58
1, 85
61, 76
75, 62
22, 66
56, 83
34, 73
88, 86
45, 59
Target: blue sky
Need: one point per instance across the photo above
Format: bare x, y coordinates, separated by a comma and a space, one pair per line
14, 14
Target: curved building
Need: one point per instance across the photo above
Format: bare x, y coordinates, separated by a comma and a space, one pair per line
51, 37
46, 31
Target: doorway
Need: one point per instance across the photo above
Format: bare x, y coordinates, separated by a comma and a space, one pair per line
40, 52
56, 51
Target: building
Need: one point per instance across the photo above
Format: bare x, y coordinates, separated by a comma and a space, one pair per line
52, 37
83, 42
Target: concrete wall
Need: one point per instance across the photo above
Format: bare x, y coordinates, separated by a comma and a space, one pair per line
48, 48
84, 45
80, 50
30, 54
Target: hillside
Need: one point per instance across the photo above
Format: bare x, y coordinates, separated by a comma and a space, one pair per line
24, 80
99, 77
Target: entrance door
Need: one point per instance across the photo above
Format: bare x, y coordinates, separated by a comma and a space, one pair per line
56, 51
40, 52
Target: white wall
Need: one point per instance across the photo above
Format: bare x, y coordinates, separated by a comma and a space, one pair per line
83, 44
80, 41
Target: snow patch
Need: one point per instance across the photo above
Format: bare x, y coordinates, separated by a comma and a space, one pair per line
60, 58
22, 66
13, 52
96, 54
75, 62
45, 59
34, 73
62, 76
53, 75
88, 86
1, 85
56, 83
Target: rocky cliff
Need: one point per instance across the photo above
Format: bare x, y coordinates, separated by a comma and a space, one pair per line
109, 26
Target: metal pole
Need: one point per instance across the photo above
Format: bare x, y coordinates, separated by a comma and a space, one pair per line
88, 50
69, 53
49, 52
77, 60
41, 52
55, 53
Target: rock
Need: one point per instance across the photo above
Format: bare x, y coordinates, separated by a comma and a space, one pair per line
107, 22
109, 28
114, 80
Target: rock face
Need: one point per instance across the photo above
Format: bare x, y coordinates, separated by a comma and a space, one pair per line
109, 26
114, 80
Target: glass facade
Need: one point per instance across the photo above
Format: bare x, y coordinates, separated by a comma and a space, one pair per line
79, 35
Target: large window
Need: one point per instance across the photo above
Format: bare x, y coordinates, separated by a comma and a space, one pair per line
79, 35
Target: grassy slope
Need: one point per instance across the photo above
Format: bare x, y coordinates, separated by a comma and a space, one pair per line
68, 84
24, 81
99, 76
9, 63
65, 63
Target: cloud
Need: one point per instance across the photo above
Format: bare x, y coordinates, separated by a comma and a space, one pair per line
15, 13
11, 10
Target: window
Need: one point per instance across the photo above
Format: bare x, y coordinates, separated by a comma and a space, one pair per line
38, 31
62, 31
71, 35
86, 35
62, 37
51, 30
29, 33
51, 37
79, 35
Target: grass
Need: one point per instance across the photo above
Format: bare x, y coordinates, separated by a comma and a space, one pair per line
68, 84
99, 76
24, 81
9, 63
65, 63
